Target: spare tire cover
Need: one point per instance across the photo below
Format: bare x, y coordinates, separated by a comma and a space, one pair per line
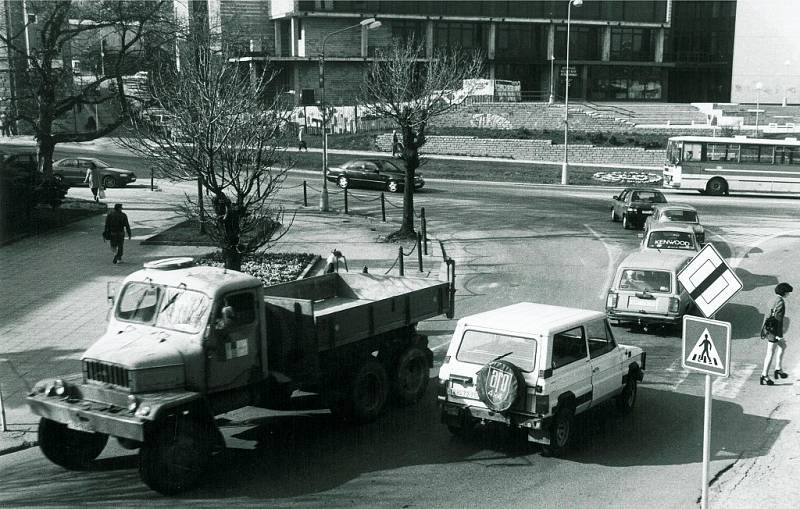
499, 385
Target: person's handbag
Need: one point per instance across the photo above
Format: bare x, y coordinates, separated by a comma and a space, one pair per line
769, 330
106, 236
101, 193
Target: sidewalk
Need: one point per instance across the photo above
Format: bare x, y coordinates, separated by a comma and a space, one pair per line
53, 287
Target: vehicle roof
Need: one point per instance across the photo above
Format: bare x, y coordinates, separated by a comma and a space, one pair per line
530, 318
728, 139
648, 189
200, 278
673, 226
676, 206
666, 260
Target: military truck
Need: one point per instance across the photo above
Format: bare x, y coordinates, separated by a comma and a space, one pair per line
186, 343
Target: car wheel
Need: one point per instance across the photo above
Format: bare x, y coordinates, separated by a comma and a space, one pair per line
393, 186
717, 187
343, 182
626, 222
58, 178
613, 215
560, 432
627, 398
109, 182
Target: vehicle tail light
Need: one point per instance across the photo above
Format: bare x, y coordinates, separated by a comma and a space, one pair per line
673, 304
441, 390
611, 300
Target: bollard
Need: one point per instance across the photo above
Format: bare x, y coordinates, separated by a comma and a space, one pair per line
419, 250
365, 270
400, 258
345, 200
3, 423
383, 208
152, 175
305, 194
424, 226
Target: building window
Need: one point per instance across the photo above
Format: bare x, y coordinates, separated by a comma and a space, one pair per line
406, 30
585, 43
459, 35
633, 44
32, 19
636, 83
514, 40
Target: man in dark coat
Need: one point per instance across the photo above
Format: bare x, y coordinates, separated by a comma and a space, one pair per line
116, 225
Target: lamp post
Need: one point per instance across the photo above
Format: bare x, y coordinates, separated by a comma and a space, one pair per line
759, 86
371, 24
564, 167
552, 97
786, 65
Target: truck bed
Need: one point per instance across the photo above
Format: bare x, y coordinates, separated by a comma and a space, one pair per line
331, 310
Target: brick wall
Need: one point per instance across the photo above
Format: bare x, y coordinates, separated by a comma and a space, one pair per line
345, 44
252, 19
534, 150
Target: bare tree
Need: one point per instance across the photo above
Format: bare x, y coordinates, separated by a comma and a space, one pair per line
65, 28
403, 85
223, 131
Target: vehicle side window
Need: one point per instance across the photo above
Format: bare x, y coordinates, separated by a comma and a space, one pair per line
568, 346
357, 165
600, 341
624, 196
243, 309
370, 167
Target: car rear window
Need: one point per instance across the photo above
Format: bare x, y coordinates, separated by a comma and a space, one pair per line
648, 197
670, 240
655, 281
684, 216
479, 347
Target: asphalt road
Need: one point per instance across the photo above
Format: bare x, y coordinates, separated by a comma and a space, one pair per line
511, 243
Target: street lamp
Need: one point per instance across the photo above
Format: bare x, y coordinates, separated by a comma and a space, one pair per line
759, 86
786, 65
576, 3
371, 24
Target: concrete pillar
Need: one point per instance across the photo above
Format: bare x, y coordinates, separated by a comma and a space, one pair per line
551, 40
490, 44
429, 38
606, 44
295, 26
659, 56
278, 30
364, 41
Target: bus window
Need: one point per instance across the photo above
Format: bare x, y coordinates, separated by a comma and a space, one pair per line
748, 154
733, 153
716, 151
692, 151
766, 154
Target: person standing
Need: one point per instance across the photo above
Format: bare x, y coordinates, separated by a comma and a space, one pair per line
4, 124
394, 143
777, 346
116, 225
93, 179
301, 143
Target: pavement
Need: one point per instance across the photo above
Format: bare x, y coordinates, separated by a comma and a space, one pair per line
53, 306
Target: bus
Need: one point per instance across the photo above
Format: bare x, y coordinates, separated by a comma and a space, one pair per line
719, 165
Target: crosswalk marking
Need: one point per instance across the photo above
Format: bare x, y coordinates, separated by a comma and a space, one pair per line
731, 386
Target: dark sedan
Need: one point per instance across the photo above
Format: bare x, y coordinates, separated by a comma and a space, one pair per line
72, 170
634, 205
372, 174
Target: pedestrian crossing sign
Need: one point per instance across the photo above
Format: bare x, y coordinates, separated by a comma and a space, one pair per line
706, 345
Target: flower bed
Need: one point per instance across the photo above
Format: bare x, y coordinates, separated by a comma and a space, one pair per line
271, 268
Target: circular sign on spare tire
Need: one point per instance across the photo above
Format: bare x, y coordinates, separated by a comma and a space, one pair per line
499, 385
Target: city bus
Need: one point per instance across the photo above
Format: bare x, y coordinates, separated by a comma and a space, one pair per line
717, 165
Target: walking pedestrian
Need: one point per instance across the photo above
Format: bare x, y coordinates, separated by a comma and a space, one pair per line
301, 143
394, 143
116, 225
93, 179
332, 263
4, 124
776, 343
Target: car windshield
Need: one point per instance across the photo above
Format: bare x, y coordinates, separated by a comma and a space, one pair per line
648, 197
166, 307
479, 347
390, 166
682, 216
657, 281
670, 240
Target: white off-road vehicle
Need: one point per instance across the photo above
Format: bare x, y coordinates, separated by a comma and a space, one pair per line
535, 366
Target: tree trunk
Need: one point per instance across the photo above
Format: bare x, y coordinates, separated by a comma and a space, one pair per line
202, 212
233, 258
411, 158
45, 146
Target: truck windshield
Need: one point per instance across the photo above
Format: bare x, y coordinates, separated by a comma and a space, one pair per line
167, 307
479, 347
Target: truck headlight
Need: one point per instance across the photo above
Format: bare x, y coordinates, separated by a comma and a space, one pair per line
57, 388
133, 403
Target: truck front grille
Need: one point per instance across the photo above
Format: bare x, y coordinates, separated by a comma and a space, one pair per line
99, 372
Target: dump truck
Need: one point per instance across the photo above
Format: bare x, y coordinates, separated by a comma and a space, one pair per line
186, 343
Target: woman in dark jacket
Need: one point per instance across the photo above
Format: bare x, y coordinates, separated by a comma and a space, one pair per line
778, 311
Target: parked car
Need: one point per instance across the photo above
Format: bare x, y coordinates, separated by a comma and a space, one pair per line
373, 174
675, 237
634, 204
72, 170
534, 367
677, 213
645, 290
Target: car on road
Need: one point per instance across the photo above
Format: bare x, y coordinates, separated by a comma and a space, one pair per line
535, 367
633, 205
677, 213
645, 290
72, 170
381, 174
673, 237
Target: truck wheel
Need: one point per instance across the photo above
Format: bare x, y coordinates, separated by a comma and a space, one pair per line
69, 448
627, 398
175, 456
367, 393
411, 377
560, 432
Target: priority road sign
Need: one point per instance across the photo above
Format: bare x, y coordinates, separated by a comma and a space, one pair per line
706, 345
709, 280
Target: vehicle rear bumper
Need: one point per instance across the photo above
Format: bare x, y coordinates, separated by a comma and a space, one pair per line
88, 416
631, 316
458, 415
